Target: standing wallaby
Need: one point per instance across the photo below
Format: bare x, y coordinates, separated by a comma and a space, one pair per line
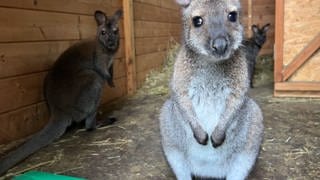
74, 86
252, 47
209, 97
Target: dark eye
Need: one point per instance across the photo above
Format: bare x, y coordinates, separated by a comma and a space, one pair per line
103, 32
233, 16
197, 21
115, 30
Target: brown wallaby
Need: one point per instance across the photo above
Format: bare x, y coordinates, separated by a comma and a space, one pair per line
252, 47
209, 97
74, 86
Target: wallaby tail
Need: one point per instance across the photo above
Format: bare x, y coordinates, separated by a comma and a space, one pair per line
53, 130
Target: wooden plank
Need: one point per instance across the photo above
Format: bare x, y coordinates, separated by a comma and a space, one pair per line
278, 51
26, 25
153, 44
150, 61
297, 86
147, 12
70, 6
156, 29
297, 94
302, 57
129, 46
21, 91
22, 122
25, 58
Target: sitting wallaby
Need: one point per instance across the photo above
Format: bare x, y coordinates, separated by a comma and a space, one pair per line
74, 86
252, 47
209, 97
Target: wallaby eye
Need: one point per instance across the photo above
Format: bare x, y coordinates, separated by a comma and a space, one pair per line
197, 21
233, 16
103, 32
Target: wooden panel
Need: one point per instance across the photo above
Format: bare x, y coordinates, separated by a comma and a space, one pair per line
22, 122
309, 72
153, 44
24, 58
302, 57
301, 26
71, 6
152, 29
150, 61
20, 91
148, 12
25, 25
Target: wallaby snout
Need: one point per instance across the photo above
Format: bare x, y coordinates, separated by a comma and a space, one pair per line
219, 45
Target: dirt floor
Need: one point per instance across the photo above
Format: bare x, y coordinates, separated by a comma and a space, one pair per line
130, 149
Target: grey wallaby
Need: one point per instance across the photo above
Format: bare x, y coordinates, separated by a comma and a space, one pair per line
253, 46
209, 97
74, 86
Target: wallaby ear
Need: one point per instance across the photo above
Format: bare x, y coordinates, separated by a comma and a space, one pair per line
255, 29
183, 2
266, 27
100, 17
117, 15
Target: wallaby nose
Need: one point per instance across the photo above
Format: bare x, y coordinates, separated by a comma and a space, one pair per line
219, 45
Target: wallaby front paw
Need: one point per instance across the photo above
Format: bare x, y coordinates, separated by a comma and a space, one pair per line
201, 137
217, 139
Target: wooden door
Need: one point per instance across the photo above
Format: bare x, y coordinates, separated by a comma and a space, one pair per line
297, 57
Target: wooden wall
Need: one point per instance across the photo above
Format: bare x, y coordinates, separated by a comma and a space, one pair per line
33, 34
297, 61
156, 23
260, 12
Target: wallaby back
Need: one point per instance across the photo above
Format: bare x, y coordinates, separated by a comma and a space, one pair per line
209, 97
73, 87
253, 46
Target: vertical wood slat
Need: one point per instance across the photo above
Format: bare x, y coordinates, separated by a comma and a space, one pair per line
129, 46
249, 17
279, 40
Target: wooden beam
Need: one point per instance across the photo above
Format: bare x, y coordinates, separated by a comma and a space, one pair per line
129, 46
297, 86
249, 18
279, 40
301, 58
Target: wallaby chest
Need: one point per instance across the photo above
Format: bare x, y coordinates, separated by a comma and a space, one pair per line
208, 91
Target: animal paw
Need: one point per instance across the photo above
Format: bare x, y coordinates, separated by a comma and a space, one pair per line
201, 137
217, 139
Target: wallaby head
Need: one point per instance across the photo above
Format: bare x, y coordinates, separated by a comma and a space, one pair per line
212, 27
108, 29
260, 35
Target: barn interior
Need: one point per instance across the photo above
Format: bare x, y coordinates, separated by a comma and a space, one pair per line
35, 32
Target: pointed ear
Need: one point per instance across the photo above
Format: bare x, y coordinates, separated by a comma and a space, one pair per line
117, 15
266, 27
183, 2
255, 29
100, 17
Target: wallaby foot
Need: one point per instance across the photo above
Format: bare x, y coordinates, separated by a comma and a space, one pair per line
90, 122
106, 121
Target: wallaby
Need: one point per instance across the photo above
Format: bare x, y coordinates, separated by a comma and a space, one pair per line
209, 97
252, 47
74, 86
